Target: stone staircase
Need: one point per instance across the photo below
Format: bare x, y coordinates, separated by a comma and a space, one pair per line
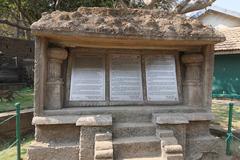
103, 149
169, 145
144, 141
128, 138
136, 140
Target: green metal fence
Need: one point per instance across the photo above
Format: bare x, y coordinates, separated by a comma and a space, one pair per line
230, 137
17, 141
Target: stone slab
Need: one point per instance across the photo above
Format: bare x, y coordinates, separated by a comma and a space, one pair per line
103, 145
181, 118
104, 154
169, 119
50, 120
103, 136
42, 151
173, 149
95, 120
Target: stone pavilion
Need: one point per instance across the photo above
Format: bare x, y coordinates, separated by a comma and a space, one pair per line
122, 84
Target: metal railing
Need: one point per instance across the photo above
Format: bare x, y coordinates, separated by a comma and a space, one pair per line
230, 136
17, 141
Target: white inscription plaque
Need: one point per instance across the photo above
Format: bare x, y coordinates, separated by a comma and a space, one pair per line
125, 78
161, 78
88, 78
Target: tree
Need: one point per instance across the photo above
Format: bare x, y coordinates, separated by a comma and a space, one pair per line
174, 6
17, 15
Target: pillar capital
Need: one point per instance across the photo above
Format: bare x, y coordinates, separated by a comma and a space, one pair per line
192, 58
57, 53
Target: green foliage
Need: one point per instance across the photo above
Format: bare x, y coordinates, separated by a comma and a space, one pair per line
25, 12
31, 9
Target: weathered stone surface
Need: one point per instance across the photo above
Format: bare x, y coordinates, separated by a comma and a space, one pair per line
103, 145
175, 157
170, 148
198, 128
55, 134
103, 136
133, 129
192, 86
192, 58
42, 151
87, 140
54, 97
173, 149
103, 148
144, 146
196, 116
201, 147
95, 120
37, 120
168, 119
57, 53
164, 133
101, 154
169, 141
151, 24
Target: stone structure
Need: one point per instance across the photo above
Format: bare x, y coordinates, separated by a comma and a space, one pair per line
122, 84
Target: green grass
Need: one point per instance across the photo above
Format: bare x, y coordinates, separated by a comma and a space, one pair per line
10, 153
24, 96
221, 114
220, 110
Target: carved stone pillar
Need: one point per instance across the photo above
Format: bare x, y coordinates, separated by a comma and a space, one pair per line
192, 86
55, 82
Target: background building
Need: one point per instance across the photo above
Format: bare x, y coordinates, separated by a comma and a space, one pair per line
227, 54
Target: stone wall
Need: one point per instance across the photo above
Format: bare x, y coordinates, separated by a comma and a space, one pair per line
16, 60
7, 130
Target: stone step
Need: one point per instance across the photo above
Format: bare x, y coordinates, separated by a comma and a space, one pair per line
104, 154
164, 133
103, 145
143, 158
103, 136
44, 151
133, 129
168, 141
133, 116
175, 157
144, 146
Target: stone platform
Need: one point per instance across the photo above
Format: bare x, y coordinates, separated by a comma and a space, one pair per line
121, 133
